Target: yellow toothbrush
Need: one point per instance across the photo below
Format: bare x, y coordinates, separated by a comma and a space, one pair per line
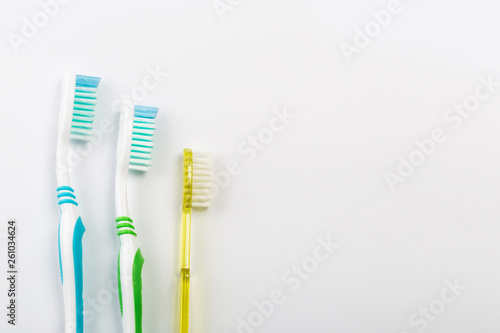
197, 189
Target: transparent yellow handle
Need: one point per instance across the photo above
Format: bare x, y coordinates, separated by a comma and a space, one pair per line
185, 270
185, 300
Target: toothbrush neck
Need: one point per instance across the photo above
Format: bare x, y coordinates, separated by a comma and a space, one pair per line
62, 168
64, 128
121, 188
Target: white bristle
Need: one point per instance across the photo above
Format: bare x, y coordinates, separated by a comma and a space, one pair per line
202, 180
83, 90
83, 113
142, 143
144, 150
86, 99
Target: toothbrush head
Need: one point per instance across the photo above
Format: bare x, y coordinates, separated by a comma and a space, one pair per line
142, 137
84, 102
197, 179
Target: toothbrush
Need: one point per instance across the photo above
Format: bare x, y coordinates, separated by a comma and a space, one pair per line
76, 116
135, 144
197, 189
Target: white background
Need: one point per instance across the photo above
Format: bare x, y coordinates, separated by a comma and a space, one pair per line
323, 175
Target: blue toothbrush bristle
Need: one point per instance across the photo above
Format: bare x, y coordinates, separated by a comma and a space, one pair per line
142, 137
145, 111
83, 107
87, 81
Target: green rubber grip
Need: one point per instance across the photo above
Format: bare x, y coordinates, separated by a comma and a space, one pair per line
137, 282
137, 288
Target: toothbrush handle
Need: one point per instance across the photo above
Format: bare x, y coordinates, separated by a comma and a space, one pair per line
130, 263
185, 270
70, 236
184, 322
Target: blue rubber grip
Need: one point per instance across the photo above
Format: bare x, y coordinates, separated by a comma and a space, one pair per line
59, 247
78, 263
